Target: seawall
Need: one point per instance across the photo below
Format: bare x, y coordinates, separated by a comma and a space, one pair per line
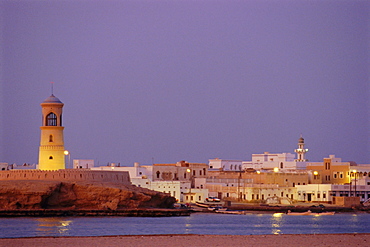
67, 175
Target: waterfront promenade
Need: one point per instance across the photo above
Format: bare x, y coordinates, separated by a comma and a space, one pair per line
197, 240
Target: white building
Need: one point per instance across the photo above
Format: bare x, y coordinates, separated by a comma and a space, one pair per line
314, 192
83, 164
269, 161
225, 165
325, 192
4, 166
274, 160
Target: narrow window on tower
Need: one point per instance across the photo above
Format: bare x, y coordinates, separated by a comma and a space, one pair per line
50, 138
51, 119
51, 157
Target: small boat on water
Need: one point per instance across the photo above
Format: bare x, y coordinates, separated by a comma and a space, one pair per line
326, 213
309, 213
208, 204
299, 213
225, 211
216, 208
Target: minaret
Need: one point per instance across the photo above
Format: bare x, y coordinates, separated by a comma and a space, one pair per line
301, 150
51, 152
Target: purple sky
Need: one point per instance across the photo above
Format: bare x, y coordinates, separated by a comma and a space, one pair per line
187, 80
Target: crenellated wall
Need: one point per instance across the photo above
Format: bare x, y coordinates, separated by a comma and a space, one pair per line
67, 175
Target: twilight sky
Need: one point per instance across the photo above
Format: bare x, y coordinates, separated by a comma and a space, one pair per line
166, 81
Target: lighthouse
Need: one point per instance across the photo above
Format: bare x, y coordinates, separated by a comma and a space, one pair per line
51, 151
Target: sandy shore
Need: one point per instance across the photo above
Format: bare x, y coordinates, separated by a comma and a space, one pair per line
197, 240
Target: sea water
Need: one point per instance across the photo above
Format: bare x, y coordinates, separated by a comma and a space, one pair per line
197, 223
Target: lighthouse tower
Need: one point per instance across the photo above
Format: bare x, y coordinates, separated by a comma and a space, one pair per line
51, 152
301, 151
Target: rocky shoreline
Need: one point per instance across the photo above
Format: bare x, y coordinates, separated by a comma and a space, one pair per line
30, 196
149, 212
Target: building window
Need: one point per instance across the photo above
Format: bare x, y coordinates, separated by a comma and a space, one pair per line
50, 157
281, 165
158, 174
50, 138
51, 119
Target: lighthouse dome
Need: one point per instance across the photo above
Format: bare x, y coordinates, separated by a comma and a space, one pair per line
52, 99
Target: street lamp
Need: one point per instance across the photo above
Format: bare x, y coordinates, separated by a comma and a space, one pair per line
188, 170
66, 152
355, 172
316, 175
259, 180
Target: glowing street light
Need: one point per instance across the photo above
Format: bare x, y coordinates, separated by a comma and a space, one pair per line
259, 191
66, 152
355, 172
276, 169
316, 174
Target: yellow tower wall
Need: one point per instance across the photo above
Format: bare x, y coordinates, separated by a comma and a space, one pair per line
51, 151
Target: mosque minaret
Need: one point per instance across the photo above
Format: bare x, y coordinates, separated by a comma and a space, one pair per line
301, 151
51, 152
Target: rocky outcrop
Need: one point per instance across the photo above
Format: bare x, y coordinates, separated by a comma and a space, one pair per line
28, 194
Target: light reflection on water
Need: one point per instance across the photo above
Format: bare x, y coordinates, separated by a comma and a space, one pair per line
198, 223
48, 226
277, 220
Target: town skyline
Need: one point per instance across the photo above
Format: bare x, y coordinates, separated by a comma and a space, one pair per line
163, 82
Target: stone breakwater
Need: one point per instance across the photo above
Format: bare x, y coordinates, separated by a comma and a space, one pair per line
148, 212
90, 195
122, 177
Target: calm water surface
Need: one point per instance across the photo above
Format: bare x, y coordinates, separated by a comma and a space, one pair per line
198, 223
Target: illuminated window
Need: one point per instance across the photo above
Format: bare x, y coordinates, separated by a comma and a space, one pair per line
51, 119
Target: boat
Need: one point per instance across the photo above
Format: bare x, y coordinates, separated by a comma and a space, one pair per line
299, 213
208, 204
214, 208
326, 213
229, 212
309, 213
201, 204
